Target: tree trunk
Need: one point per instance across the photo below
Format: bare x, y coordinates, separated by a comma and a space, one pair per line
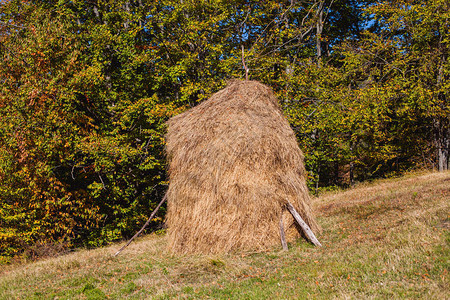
352, 166
318, 179
126, 6
441, 123
319, 29
352, 176
442, 143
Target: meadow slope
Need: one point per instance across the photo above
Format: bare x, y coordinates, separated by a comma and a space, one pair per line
387, 239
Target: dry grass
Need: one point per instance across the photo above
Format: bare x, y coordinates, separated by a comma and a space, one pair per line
389, 239
234, 163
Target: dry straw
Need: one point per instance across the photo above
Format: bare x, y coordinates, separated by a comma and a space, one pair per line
234, 164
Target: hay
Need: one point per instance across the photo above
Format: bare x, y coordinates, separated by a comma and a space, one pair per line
234, 163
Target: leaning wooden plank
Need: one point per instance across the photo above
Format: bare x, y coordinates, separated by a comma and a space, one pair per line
283, 237
145, 225
308, 232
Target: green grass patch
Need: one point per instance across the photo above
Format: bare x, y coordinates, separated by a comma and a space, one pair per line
389, 239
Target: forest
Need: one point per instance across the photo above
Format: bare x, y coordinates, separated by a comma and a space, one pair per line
87, 87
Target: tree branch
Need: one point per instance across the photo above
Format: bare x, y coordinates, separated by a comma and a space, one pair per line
145, 225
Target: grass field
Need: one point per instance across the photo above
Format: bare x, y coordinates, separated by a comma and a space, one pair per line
388, 239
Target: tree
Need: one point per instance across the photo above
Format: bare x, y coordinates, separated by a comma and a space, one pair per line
419, 35
86, 88
81, 157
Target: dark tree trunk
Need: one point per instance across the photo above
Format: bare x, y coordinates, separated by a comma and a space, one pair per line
442, 142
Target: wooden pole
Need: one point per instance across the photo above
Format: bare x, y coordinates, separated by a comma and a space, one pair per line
308, 232
145, 225
283, 237
243, 63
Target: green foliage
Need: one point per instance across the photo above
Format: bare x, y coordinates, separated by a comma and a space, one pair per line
81, 155
86, 88
379, 104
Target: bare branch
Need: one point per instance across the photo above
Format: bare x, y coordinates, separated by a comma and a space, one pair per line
145, 225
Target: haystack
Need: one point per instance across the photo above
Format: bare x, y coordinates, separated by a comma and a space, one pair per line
234, 165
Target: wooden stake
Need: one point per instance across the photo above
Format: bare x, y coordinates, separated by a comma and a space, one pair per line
308, 232
243, 63
283, 237
145, 225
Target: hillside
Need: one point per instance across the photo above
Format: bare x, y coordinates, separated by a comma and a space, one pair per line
388, 239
